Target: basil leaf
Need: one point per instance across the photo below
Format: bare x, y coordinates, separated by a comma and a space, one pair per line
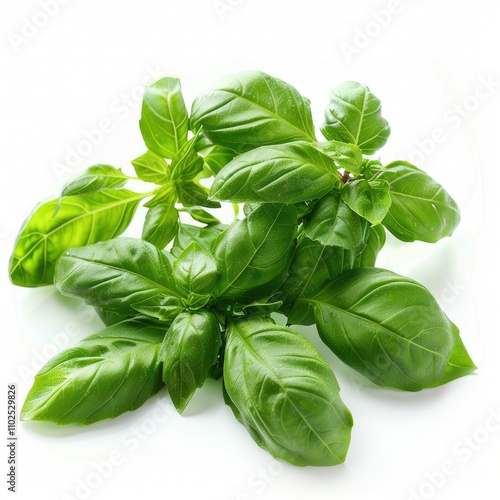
216, 157
123, 275
252, 109
253, 254
195, 271
80, 220
313, 266
166, 195
151, 167
354, 115
200, 215
346, 156
332, 222
367, 256
370, 199
161, 225
278, 383
95, 178
203, 236
112, 318
164, 120
288, 173
261, 307
191, 194
109, 373
390, 329
189, 350
164, 309
421, 209
187, 164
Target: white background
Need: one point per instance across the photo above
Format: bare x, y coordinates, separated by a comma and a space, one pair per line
428, 63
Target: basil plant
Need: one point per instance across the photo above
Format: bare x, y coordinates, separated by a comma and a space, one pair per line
191, 301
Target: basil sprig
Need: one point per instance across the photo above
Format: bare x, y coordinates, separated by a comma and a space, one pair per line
188, 302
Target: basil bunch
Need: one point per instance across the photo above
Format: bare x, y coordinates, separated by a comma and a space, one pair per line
315, 217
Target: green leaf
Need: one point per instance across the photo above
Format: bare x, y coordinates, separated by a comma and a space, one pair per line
151, 167
285, 394
261, 307
112, 318
346, 156
81, 220
109, 373
187, 164
164, 121
367, 256
421, 209
190, 349
390, 329
354, 116
124, 275
313, 266
200, 215
191, 194
332, 222
166, 195
252, 109
204, 236
195, 271
253, 254
161, 224
95, 178
216, 157
288, 173
369, 199
164, 309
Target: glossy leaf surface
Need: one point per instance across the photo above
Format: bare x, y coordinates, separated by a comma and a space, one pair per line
285, 394
124, 275
369, 199
80, 220
164, 121
390, 329
151, 167
109, 373
190, 349
313, 266
288, 173
332, 222
354, 115
195, 270
421, 209
253, 254
252, 109
160, 225
95, 178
